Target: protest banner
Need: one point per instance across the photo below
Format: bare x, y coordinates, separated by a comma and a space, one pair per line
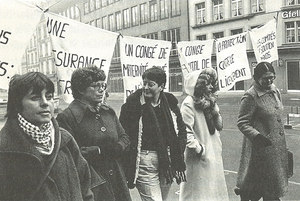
17, 24
264, 42
194, 55
139, 54
77, 45
232, 61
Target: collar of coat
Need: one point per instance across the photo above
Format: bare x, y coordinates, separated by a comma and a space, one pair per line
261, 91
79, 109
14, 140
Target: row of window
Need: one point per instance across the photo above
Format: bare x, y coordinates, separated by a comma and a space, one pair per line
92, 5
218, 9
47, 67
139, 14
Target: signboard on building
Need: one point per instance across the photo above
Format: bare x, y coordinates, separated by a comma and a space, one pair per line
232, 61
15, 32
77, 45
139, 54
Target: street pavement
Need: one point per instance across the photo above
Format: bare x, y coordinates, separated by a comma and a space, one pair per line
231, 139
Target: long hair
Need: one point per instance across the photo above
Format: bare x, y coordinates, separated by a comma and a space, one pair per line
20, 85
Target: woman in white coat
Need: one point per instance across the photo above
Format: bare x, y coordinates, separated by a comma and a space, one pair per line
205, 173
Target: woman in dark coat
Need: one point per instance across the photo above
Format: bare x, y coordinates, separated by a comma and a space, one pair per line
97, 129
263, 166
39, 160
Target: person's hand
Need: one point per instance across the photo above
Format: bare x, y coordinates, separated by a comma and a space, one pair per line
261, 141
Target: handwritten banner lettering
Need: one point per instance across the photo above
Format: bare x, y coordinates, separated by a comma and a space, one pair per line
264, 42
77, 45
139, 54
232, 61
17, 24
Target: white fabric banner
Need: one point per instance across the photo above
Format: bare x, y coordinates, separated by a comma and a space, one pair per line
232, 61
264, 42
17, 24
139, 54
76, 45
195, 55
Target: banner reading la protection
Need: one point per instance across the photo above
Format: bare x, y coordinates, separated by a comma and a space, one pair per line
264, 42
232, 61
17, 24
139, 54
195, 55
77, 45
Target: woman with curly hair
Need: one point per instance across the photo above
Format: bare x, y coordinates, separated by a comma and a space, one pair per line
204, 165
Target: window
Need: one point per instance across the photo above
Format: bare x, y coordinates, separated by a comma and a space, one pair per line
218, 35
126, 18
175, 7
292, 2
49, 51
292, 31
293, 75
236, 6
151, 36
257, 6
98, 22
111, 22
201, 37
104, 23
200, 13
144, 13
86, 8
50, 66
164, 9
92, 5
97, 4
172, 35
134, 15
104, 3
119, 20
110, 2
153, 11
218, 9
236, 31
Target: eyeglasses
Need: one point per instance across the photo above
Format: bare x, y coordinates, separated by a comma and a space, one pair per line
99, 86
270, 78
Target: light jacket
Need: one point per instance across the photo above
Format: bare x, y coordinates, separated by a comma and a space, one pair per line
23, 167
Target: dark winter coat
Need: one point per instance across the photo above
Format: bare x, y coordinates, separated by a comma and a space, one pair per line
92, 129
22, 167
263, 170
130, 118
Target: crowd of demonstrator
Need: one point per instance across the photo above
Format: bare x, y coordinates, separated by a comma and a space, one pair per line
88, 153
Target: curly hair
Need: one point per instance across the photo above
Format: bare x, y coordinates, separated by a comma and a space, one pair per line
207, 76
20, 85
83, 77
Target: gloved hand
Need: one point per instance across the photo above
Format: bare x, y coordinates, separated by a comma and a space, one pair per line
261, 141
89, 152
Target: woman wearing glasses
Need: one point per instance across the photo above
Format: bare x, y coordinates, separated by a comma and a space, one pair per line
97, 129
263, 165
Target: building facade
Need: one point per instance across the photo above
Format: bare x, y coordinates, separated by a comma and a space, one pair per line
154, 19
212, 19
